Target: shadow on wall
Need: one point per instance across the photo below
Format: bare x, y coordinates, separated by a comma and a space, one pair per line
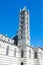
16, 40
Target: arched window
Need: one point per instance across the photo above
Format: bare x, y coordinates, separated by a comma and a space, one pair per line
21, 63
7, 50
22, 53
15, 52
35, 55
30, 53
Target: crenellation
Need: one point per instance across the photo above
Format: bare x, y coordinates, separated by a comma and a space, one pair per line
6, 39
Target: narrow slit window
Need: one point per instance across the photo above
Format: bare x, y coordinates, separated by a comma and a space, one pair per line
7, 50
22, 53
35, 55
15, 52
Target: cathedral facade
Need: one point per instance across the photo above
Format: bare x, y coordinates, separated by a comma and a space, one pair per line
18, 51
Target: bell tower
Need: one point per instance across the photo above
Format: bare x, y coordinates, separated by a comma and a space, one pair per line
24, 27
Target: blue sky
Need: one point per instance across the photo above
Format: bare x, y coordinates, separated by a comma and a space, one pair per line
9, 18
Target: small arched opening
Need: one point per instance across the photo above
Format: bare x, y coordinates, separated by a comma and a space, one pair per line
21, 63
35, 54
22, 53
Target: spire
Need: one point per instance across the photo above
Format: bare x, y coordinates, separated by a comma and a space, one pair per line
24, 8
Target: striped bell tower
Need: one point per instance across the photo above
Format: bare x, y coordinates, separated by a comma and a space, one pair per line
24, 27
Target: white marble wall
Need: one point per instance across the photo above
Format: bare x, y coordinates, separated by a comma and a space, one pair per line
9, 59
27, 59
